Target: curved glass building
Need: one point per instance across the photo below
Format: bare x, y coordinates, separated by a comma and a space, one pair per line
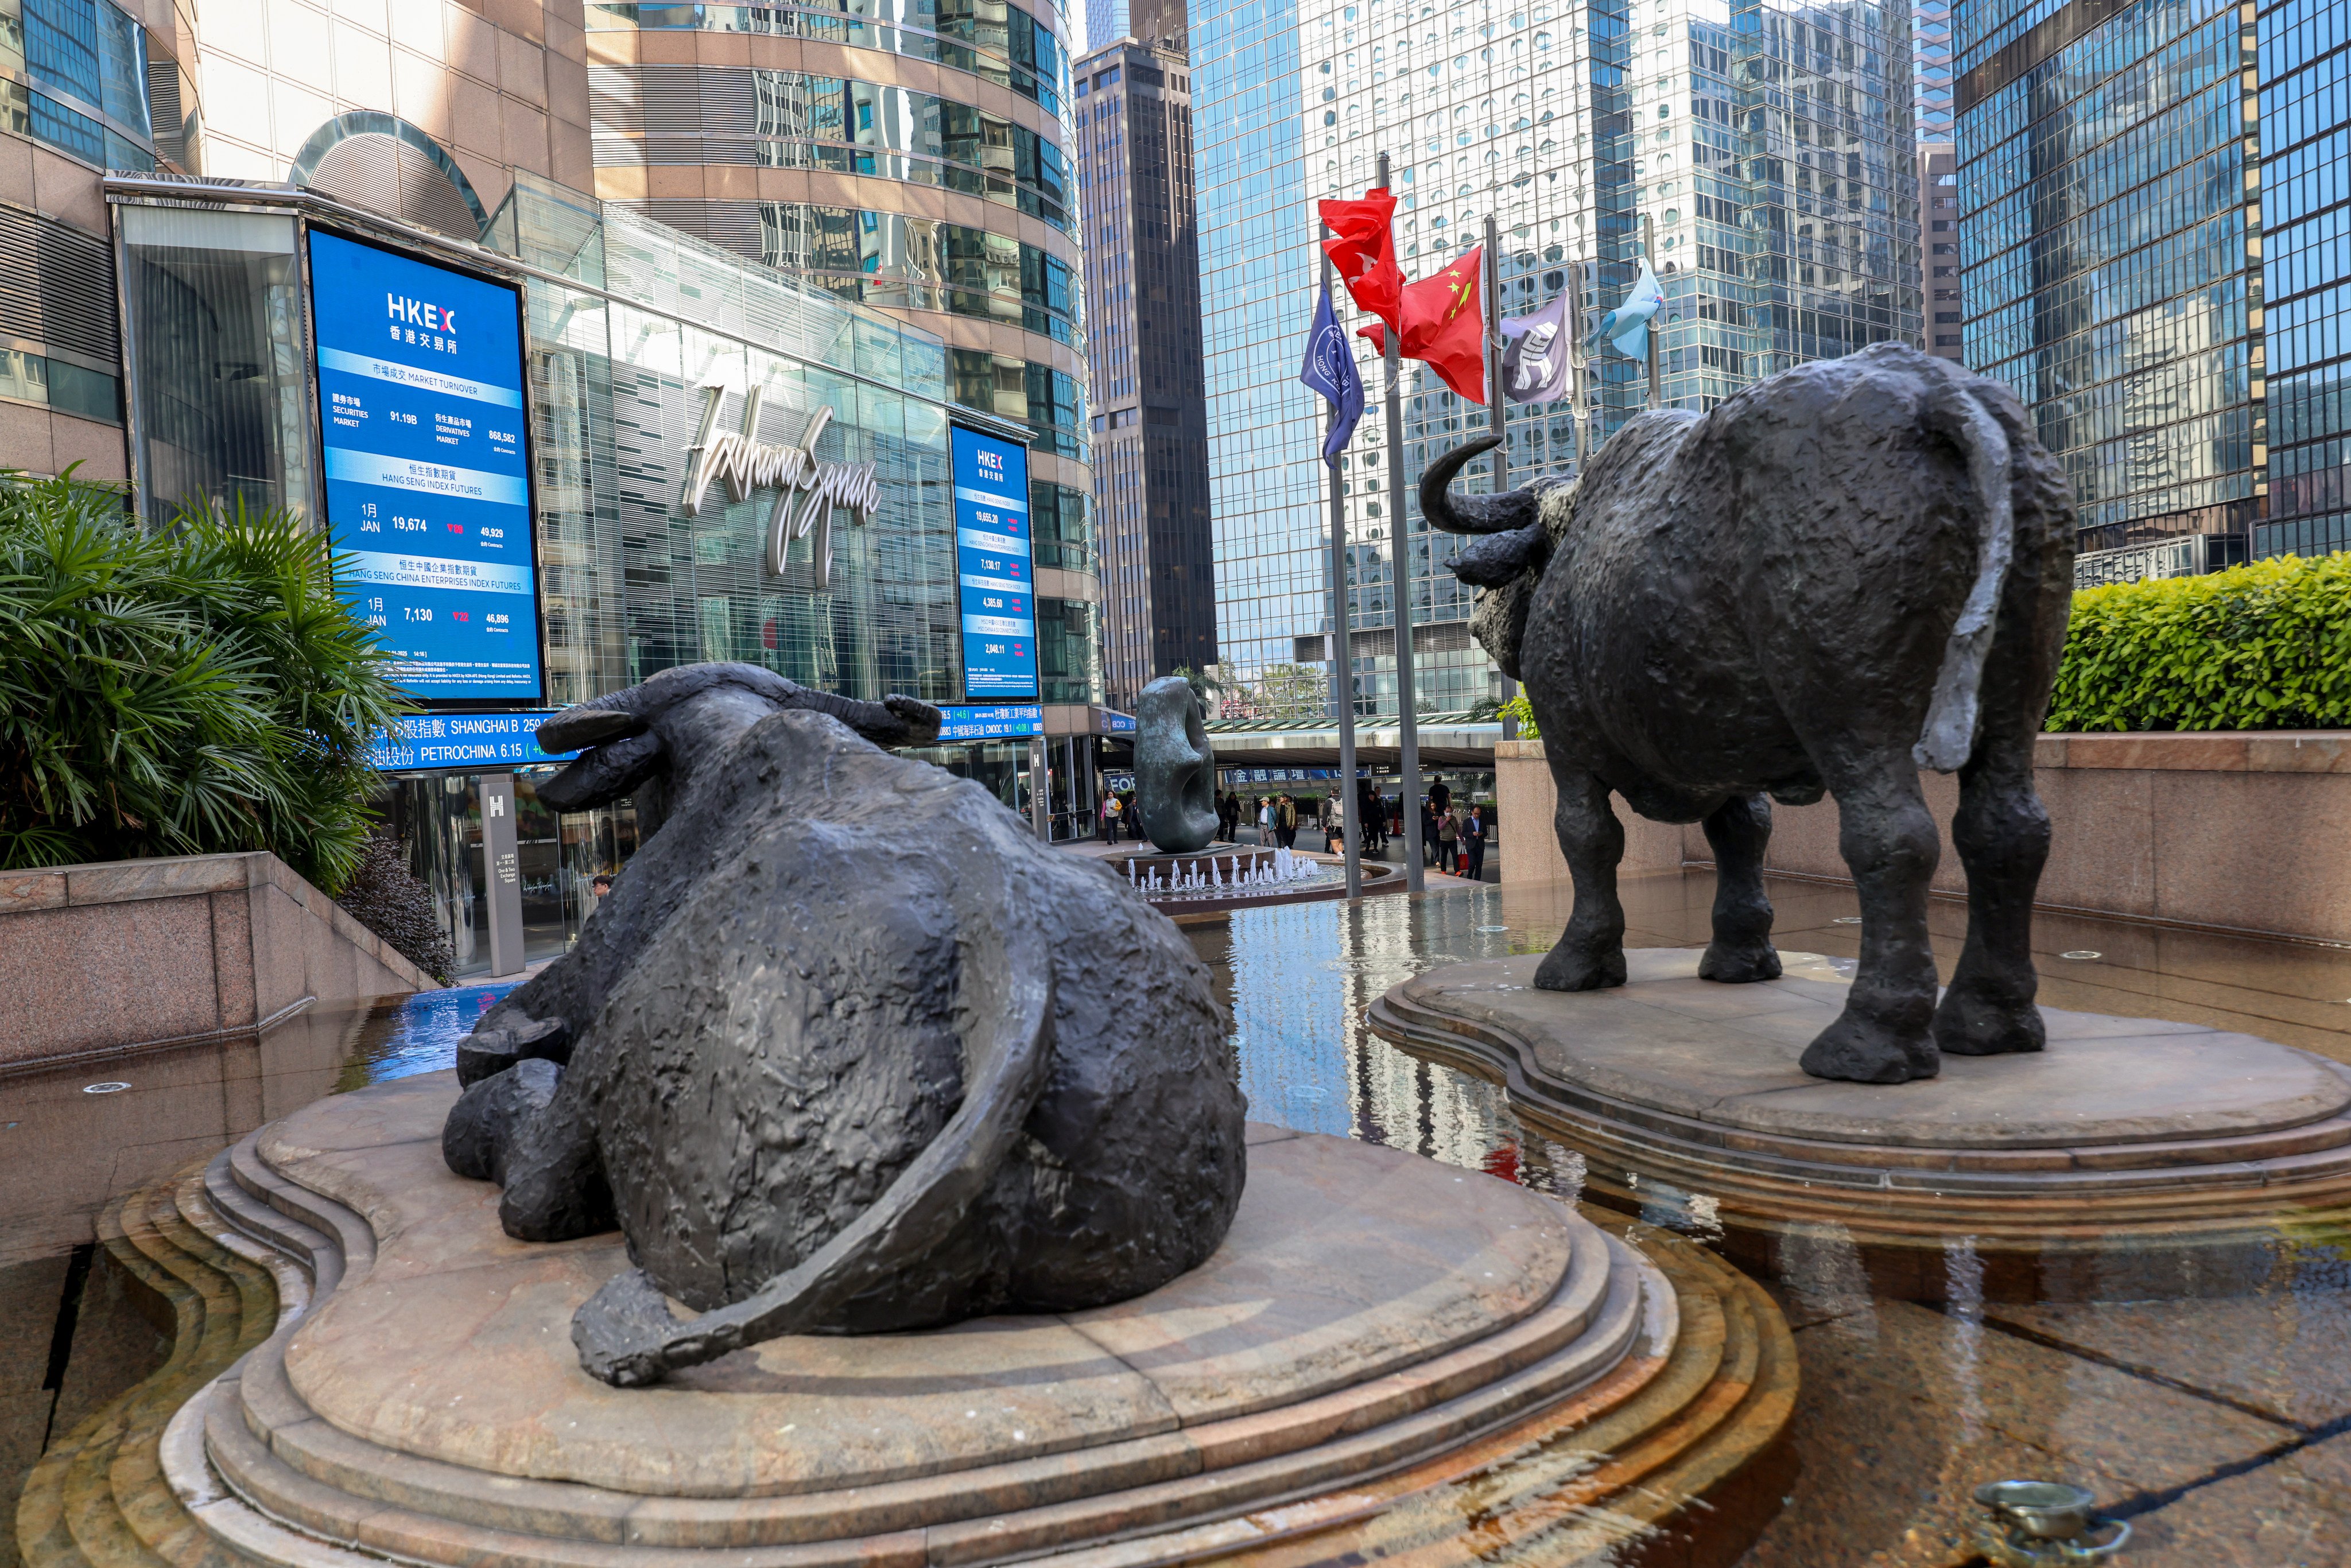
912, 155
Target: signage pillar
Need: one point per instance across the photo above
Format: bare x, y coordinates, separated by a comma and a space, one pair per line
1400, 556
502, 866
1041, 788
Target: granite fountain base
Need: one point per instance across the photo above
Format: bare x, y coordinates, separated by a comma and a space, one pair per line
2132, 1159
1388, 1358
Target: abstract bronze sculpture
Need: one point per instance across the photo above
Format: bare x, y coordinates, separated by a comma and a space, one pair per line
1174, 767
1849, 571
846, 1050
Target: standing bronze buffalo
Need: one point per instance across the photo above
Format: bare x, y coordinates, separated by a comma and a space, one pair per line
1852, 570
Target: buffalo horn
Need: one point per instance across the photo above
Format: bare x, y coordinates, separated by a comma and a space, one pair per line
1505, 513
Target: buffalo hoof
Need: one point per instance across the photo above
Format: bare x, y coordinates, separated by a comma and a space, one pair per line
487, 1052
1740, 963
1972, 1022
1567, 967
489, 1118
1858, 1050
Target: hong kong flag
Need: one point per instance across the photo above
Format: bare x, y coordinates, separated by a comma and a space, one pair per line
1364, 250
1445, 325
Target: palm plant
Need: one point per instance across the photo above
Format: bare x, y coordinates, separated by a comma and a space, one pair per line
1207, 684
190, 691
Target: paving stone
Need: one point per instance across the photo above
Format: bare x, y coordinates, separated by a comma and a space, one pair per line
2287, 1356
30, 1293
2294, 1512
23, 1418
1903, 1412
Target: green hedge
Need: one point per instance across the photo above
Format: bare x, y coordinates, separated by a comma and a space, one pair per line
190, 691
2264, 646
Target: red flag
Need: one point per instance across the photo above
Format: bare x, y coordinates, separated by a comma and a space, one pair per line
1445, 325
1364, 250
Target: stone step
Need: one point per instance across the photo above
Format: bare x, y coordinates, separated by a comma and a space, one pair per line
99, 1498
1650, 1391
284, 1453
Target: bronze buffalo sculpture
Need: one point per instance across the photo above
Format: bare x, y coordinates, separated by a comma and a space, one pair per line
846, 1050
1174, 767
1855, 570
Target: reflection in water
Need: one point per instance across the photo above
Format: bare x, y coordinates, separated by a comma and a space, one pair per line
419, 1033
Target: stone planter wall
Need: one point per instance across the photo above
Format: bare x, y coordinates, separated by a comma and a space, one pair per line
131, 955
2233, 832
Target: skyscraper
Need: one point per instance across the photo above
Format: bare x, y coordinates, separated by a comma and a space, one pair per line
1938, 194
2114, 183
1143, 314
1938, 249
1773, 144
2305, 278
1930, 54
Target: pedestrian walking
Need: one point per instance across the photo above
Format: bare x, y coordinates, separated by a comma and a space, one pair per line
1449, 836
1473, 843
1286, 827
1265, 819
1110, 815
1427, 831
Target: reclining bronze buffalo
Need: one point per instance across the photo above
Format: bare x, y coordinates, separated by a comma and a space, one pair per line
846, 1050
1846, 573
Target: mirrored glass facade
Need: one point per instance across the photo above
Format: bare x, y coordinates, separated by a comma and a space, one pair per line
2111, 226
2304, 47
908, 155
1770, 144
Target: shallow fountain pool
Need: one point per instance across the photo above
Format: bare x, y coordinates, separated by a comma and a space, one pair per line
2220, 1427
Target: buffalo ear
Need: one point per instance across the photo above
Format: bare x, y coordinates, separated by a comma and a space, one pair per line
586, 726
1496, 558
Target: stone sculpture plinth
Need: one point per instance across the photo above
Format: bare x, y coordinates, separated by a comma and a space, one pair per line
1381, 1344
2130, 1158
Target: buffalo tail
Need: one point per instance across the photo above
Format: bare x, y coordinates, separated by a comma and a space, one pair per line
1948, 735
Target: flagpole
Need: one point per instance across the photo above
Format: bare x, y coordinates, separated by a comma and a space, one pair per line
1575, 363
1400, 553
1342, 651
1649, 254
1494, 404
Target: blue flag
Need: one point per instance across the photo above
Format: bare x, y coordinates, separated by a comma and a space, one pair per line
1628, 326
1329, 370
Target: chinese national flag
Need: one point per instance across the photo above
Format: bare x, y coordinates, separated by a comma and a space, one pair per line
1445, 325
1364, 250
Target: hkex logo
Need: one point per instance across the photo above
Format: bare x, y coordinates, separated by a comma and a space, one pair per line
417, 313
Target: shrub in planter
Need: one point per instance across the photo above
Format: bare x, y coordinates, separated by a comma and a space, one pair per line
195, 690
2264, 646
384, 895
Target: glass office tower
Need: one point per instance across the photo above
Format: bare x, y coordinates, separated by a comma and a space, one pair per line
1772, 145
1143, 315
2305, 140
1257, 265
2111, 232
